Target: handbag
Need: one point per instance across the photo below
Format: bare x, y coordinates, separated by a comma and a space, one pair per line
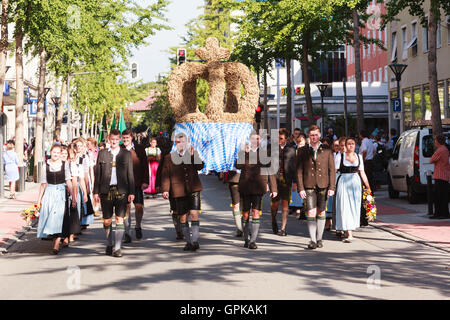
89, 208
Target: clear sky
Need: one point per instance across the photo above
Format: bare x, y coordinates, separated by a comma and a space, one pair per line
153, 59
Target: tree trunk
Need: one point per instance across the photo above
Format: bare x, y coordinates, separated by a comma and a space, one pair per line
359, 94
3, 47
266, 107
84, 122
38, 155
289, 96
432, 70
19, 135
305, 65
60, 112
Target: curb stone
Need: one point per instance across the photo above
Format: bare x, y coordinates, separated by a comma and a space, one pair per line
409, 237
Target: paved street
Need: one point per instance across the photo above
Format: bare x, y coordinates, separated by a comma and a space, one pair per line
281, 268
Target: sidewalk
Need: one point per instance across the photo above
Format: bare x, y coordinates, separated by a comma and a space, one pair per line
12, 226
410, 221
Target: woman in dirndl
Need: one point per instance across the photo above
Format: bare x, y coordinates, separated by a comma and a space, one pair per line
81, 170
349, 189
52, 197
153, 158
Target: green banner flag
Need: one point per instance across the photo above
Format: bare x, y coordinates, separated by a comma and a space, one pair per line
122, 125
113, 124
103, 128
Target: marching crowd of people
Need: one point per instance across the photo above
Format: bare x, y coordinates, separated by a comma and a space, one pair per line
320, 179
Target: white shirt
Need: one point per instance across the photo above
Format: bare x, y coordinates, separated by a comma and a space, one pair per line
315, 150
337, 162
368, 146
113, 181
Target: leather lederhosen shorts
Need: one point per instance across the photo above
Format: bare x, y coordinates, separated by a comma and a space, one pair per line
113, 203
284, 190
187, 203
316, 198
251, 202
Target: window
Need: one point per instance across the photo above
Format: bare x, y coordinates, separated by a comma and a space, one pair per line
369, 78
374, 75
364, 76
394, 47
364, 51
404, 44
379, 37
380, 75
385, 38
413, 43
396, 151
407, 104
374, 45
385, 74
448, 29
417, 104
368, 46
425, 37
438, 35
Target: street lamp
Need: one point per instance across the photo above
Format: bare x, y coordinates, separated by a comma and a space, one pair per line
398, 70
322, 88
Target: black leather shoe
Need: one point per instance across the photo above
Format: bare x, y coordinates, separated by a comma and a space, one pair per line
195, 246
319, 244
109, 250
55, 252
239, 233
188, 247
312, 245
283, 233
252, 245
274, 226
127, 239
246, 244
138, 233
117, 253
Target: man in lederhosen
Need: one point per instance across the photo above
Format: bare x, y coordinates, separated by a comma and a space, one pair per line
114, 188
316, 177
233, 185
286, 179
253, 184
140, 169
180, 176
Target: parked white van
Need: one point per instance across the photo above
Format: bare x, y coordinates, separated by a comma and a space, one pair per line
410, 161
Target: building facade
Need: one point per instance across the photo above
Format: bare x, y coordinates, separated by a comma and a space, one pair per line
409, 45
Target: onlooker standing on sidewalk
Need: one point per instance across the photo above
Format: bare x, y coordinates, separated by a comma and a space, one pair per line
441, 178
10, 163
52, 195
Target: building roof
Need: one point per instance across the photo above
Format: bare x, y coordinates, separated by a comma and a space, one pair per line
144, 104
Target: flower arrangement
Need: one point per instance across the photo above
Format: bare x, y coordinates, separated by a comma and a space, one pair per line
31, 213
369, 205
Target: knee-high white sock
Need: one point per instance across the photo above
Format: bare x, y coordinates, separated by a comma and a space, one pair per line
255, 229
320, 227
238, 219
312, 228
195, 225
120, 230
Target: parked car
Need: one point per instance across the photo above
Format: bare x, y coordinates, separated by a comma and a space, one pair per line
410, 161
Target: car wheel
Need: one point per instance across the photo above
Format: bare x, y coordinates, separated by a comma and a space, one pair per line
413, 197
392, 193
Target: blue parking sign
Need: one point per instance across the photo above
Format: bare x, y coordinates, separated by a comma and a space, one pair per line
396, 105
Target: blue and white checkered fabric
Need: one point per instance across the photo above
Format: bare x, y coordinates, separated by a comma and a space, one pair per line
217, 143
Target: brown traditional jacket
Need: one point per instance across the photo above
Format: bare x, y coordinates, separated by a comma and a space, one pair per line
251, 181
140, 165
181, 177
318, 172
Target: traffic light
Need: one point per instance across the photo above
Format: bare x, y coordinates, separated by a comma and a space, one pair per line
181, 56
134, 70
258, 111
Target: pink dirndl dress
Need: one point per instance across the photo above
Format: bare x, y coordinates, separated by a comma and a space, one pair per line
152, 168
